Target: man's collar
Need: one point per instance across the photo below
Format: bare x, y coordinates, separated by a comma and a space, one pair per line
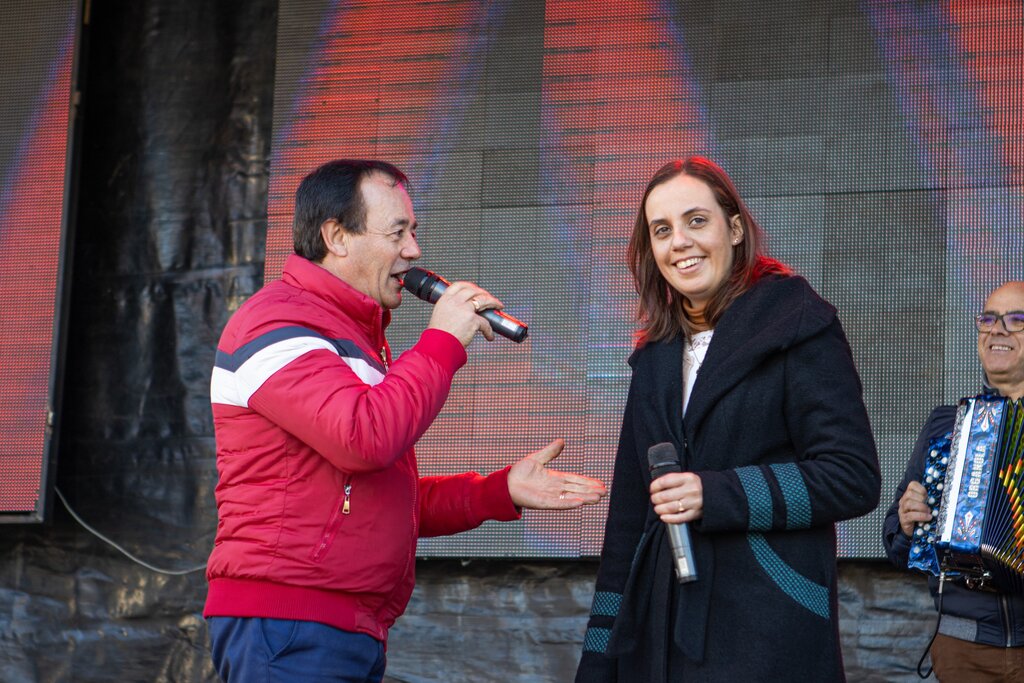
987, 387
329, 287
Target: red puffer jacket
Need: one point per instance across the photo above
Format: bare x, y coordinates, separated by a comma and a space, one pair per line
319, 500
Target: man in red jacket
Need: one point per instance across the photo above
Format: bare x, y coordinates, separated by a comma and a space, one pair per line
319, 500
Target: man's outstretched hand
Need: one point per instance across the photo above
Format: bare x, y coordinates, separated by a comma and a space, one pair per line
532, 485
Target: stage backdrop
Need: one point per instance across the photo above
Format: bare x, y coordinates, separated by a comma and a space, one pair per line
38, 44
877, 142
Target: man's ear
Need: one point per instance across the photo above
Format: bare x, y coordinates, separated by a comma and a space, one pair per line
335, 237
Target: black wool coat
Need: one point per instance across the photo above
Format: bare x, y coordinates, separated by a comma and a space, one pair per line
777, 430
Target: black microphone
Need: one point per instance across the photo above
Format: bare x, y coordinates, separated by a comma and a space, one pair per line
662, 458
429, 287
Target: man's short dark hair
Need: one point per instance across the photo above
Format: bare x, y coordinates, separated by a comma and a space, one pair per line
332, 191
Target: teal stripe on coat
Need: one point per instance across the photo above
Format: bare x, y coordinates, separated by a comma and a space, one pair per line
606, 604
811, 595
759, 497
596, 639
794, 492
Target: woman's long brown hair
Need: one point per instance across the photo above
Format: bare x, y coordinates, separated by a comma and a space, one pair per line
660, 313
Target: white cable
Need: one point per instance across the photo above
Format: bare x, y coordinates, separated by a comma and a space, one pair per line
97, 534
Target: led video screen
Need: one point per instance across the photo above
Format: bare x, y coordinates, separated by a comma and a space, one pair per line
38, 44
877, 143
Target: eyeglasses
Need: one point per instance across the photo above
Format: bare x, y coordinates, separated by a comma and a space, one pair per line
1012, 321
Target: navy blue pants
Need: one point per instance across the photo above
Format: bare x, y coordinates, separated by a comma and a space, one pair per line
254, 650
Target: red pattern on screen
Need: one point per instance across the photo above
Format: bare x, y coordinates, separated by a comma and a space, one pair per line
618, 102
955, 69
30, 238
371, 92
990, 37
989, 41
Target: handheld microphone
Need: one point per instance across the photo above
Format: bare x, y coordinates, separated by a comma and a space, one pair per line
429, 287
662, 458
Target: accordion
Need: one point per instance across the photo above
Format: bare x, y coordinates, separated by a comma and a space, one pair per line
974, 478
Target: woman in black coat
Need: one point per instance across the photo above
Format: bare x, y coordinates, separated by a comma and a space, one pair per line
746, 371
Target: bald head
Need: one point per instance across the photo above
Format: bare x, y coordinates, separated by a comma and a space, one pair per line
1002, 352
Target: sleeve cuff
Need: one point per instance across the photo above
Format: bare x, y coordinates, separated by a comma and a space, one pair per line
720, 505
901, 546
444, 348
491, 499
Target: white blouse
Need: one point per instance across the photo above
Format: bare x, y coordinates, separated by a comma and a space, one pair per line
694, 350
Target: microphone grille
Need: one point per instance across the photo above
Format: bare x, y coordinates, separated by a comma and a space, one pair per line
415, 281
662, 455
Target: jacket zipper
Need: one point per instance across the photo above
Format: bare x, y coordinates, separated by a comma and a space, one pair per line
384, 358
1004, 612
335, 522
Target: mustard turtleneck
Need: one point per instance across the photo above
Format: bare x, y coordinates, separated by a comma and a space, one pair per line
695, 314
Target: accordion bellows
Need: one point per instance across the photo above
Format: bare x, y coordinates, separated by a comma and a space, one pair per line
974, 481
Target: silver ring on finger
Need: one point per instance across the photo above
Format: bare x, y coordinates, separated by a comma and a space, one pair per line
679, 505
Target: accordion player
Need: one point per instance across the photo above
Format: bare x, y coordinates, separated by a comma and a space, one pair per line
974, 481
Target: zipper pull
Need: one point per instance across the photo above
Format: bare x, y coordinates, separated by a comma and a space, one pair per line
384, 357
346, 508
